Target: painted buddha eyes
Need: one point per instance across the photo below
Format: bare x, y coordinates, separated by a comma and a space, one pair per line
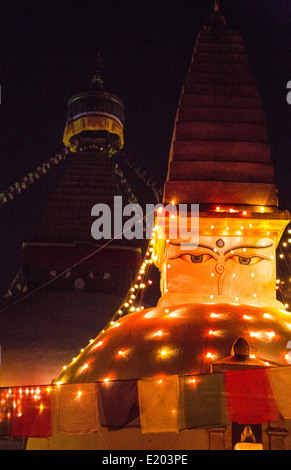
247, 260
203, 258
195, 258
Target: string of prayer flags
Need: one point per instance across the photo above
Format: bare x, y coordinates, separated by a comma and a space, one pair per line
159, 404
203, 400
118, 404
250, 398
76, 408
26, 181
32, 412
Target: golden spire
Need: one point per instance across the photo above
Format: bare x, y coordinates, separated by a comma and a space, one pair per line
216, 6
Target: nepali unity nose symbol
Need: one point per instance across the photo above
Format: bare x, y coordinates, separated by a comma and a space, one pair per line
220, 268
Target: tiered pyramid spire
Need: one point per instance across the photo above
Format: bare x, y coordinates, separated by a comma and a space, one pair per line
220, 151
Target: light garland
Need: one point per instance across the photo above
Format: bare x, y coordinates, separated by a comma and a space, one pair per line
131, 303
283, 282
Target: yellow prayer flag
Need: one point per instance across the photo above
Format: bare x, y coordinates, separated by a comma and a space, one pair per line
280, 380
76, 408
159, 404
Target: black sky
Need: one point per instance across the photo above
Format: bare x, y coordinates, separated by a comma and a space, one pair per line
47, 52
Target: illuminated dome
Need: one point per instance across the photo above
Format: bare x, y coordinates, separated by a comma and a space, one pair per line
182, 339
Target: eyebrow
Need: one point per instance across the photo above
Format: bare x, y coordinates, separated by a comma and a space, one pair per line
196, 246
247, 246
227, 251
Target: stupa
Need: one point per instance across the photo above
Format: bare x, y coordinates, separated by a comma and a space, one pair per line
218, 309
67, 273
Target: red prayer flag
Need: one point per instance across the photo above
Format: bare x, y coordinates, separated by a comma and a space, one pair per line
250, 398
32, 412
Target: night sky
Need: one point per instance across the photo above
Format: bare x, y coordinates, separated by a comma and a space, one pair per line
48, 49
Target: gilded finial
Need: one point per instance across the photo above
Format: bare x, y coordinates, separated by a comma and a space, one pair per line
216, 6
97, 80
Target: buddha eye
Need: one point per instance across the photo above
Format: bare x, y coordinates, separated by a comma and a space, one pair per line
247, 260
196, 259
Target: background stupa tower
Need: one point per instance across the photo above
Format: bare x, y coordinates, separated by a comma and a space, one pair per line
76, 285
94, 136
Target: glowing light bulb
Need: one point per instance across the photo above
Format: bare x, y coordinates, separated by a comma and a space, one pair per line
271, 334
209, 355
267, 315
158, 333
164, 352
